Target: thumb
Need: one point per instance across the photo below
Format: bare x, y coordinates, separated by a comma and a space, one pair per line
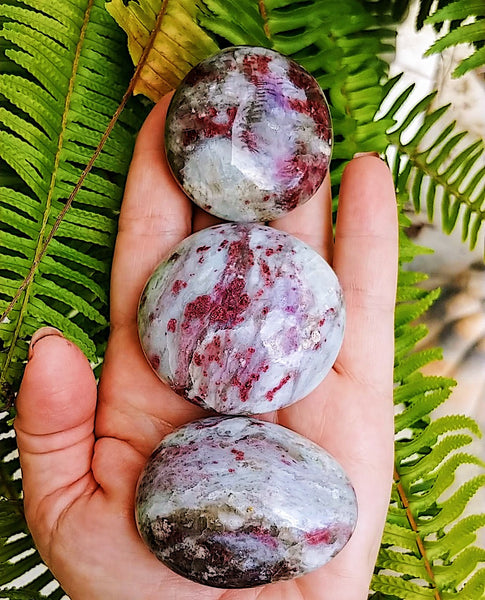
54, 426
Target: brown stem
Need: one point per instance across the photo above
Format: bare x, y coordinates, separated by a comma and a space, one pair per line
414, 527
87, 169
264, 14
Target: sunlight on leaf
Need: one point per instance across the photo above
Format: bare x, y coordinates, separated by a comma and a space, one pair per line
179, 43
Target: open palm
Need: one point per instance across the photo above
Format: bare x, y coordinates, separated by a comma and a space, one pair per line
82, 448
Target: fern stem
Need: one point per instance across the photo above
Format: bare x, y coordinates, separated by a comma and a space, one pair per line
264, 15
41, 244
41, 250
414, 527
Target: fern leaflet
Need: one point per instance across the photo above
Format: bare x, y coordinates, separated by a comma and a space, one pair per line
434, 170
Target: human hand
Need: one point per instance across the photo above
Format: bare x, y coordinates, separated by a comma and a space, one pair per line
82, 449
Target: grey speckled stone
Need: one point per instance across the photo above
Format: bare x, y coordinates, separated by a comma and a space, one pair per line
234, 502
248, 134
242, 319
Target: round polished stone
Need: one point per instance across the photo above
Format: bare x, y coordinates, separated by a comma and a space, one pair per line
242, 319
234, 502
248, 134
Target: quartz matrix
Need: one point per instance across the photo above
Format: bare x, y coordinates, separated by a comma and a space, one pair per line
235, 502
242, 319
248, 134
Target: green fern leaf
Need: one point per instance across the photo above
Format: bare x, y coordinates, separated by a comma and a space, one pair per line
463, 565
469, 33
437, 170
461, 536
428, 436
60, 86
474, 588
401, 562
428, 462
411, 562
401, 588
57, 103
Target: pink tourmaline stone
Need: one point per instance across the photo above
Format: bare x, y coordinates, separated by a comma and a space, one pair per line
242, 319
248, 134
234, 502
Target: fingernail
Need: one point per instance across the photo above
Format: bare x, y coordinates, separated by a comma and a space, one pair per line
361, 154
42, 333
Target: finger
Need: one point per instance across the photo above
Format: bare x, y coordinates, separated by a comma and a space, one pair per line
202, 220
365, 259
54, 424
155, 216
312, 222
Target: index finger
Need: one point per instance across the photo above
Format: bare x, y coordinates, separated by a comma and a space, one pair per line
155, 216
365, 260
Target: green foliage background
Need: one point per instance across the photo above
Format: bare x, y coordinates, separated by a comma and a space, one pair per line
64, 70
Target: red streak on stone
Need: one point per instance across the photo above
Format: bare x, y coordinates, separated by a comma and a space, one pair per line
270, 251
171, 325
223, 308
210, 128
265, 273
250, 140
298, 77
231, 470
316, 110
319, 536
306, 169
239, 454
255, 67
203, 248
197, 309
264, 536
328, 535
231, 113
178, 285
240, 251
271, 393
155, 361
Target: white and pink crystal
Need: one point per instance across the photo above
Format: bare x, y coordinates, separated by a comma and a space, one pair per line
235, 502
242, 319
248, 134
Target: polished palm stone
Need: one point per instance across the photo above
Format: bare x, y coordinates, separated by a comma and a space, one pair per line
248, 134
242, 319
234, 502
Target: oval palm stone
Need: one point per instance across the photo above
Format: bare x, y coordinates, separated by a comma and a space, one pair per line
248, 134
234, 502
242, 319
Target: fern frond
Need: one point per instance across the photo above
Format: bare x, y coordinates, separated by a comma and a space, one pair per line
463, 565
461, 536
473, 588
178, 45
429, 168
57, 100
461, 33
398, 587
63, 74
429, 435
424, 531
